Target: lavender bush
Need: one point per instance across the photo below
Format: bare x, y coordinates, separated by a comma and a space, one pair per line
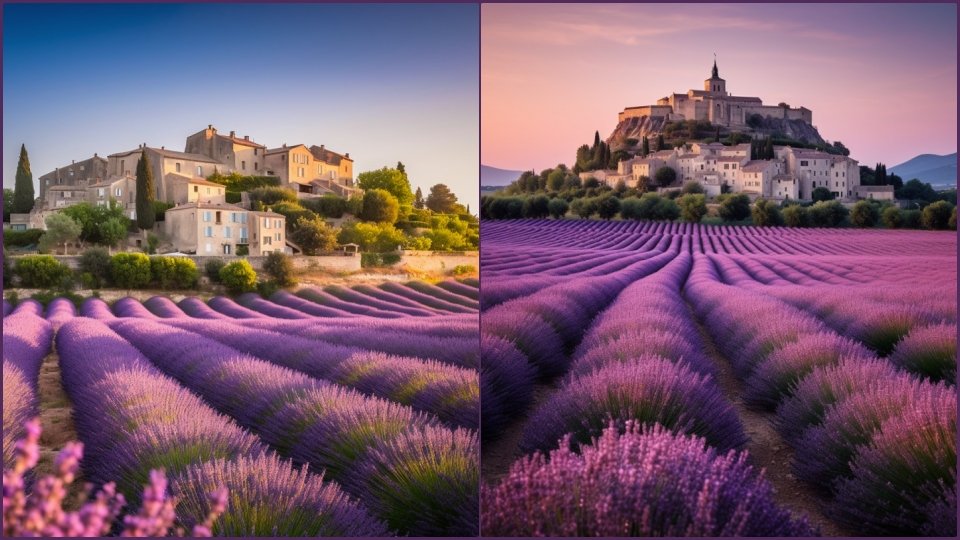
643, 482
930, 351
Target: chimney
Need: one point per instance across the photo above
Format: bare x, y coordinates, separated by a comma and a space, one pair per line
209, 126
246, 137
347, 155
73, 162
233, 134
94, 154
163, 147
284, 145
321, 147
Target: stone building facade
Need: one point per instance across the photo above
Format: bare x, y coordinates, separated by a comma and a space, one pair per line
207, 229
716, 105
77, 173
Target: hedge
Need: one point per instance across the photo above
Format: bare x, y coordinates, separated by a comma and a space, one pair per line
174, 272
41, 271
130, 270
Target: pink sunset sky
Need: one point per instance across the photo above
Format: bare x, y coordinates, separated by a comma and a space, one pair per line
881, 78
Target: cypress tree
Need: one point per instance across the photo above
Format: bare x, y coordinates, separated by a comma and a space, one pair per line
418, 201
660, 143
23, 189
596, 139
717, 138
146, 193
769, 148
645, 150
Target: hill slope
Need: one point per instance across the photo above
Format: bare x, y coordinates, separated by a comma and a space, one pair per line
930, 168
492, 176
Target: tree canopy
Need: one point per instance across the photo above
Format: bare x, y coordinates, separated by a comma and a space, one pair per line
23, 196
391, 180
441, 200
146, 194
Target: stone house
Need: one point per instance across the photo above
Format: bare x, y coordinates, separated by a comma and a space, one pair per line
235, 153
312, 171
77, 173
206, 228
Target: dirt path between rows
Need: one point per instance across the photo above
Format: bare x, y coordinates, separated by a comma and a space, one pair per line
56, 419
497, 455
767, 448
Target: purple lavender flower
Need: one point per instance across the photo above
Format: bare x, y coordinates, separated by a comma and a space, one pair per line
648, 482
649, 390
930, 351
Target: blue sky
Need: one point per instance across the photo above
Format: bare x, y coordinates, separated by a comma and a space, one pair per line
386, 83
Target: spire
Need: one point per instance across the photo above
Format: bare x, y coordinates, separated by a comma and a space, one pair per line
716, 73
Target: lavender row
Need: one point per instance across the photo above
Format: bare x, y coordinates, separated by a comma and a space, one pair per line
833, 399
642, 482
373, 297
200, 450
460, 289
419, 476
27, 338
450, 393
19, 406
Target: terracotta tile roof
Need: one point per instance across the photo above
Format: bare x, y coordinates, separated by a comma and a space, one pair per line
327, 156
208, 205
757, 165
239, 140
284, 148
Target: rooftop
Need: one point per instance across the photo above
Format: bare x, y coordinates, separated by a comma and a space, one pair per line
191, 179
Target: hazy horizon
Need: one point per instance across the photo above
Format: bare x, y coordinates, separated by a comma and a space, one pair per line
552, 74
385, 83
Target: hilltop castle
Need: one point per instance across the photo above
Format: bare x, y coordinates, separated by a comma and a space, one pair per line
715, 105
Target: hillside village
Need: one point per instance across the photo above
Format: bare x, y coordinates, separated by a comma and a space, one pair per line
226, 194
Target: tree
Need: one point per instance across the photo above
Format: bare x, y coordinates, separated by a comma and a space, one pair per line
795, 216
536, 207
279, 267
665, 176
936, 215
660, 143
96, 262
393, 181
693, 206
735, 208
238, 277
8, 195
380, 206
112, 231
827, 214
608, 206
558, 208
61, 230
892, 217
766, 214
645, 149
915, 190
555, 180
146, 194
584, 207
105, 225
314, 236
821, 194
693, 187
401, 168
716, 138
418, 201
23, 188
441, 200
864, 214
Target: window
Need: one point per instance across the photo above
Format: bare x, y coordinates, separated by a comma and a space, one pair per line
208, 232
208, 191
208, 247
255, 151
243, 218
243, 235
319, 170
256, 166
267, 240
177, 165
118, 192
196, 189
803, 163
19, 226
226, 249
199, 170
243, 165
81, 168
207, 216
276, 223
277, 237
101, 192
300, 172
218, 217
228, 232
266, 223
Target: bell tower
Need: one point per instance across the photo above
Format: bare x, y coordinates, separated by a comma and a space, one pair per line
715, 85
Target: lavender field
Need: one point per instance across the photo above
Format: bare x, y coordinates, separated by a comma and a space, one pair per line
679, 379
336, 411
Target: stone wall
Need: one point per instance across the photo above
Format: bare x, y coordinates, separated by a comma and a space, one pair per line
332, 263
429, 261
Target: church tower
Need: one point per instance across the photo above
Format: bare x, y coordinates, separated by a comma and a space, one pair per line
715, 85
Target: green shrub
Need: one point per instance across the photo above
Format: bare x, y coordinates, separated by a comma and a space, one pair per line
293, 212
160, 209
827, 214
766, 214
238, 277
462, 269
795, 216
892, 217
45, 297
272, 195
29, 237
234, 197
376, 260
911, 219
212, 268
95, 261
279, 267
130, 270
607, 206
330, 206
152, 243
41, 271
558, 208
174, 272
936, 215
693, 206
864, 214
735, 208
243, 250
267, 288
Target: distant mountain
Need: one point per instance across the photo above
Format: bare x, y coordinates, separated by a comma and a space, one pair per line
930, 168
492, 176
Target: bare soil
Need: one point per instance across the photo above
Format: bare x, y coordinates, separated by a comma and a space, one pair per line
767, 448
497, 455
56, 419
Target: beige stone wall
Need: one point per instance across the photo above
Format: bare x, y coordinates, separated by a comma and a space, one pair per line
267, 233
429, 261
